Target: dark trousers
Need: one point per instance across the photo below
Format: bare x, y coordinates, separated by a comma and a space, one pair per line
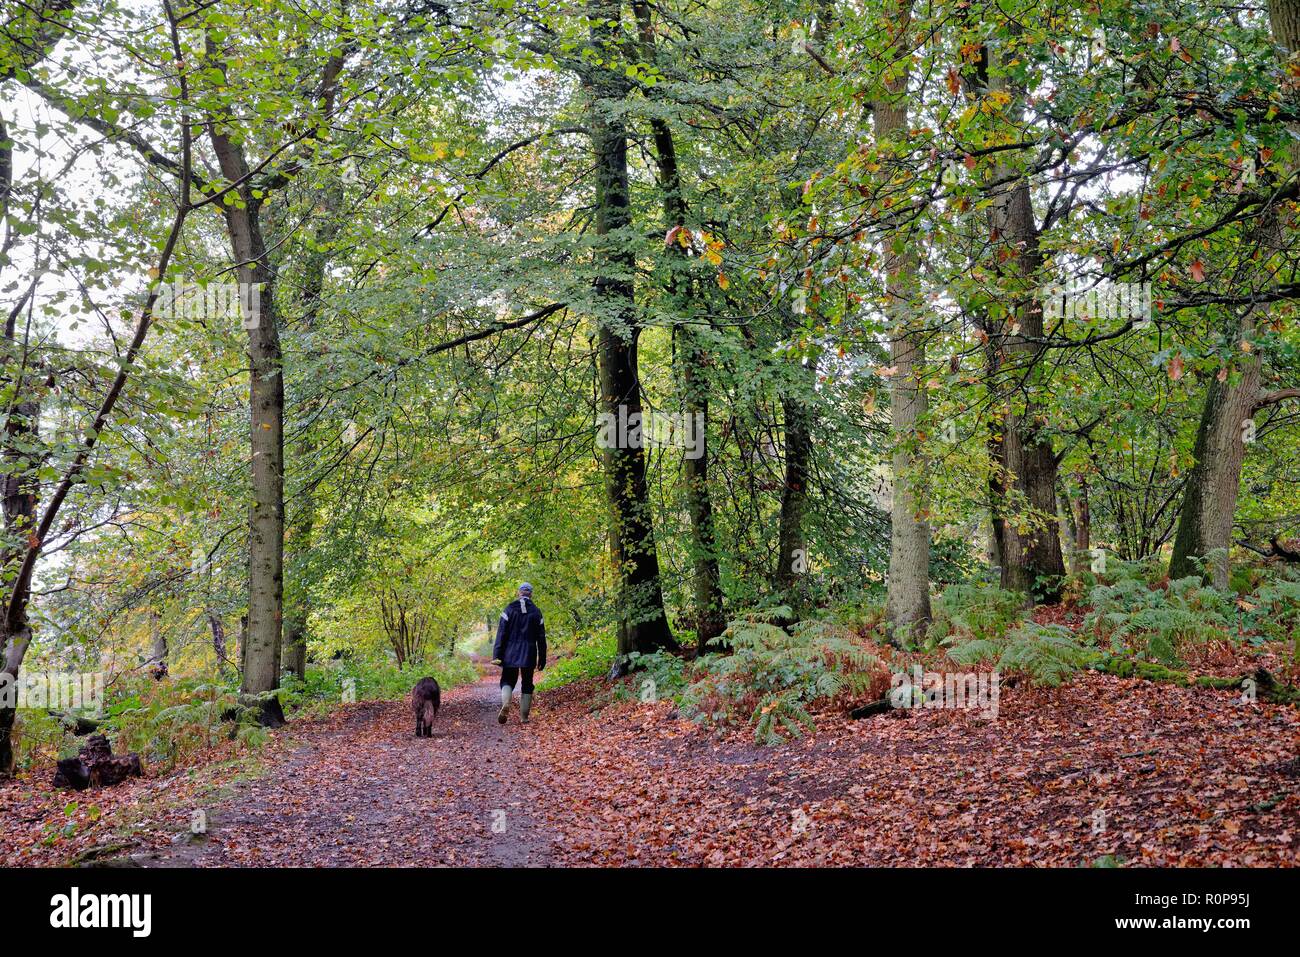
510, 675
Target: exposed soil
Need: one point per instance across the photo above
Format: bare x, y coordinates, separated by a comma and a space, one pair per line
1102, 768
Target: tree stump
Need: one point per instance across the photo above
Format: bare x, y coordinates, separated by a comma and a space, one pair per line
96, 766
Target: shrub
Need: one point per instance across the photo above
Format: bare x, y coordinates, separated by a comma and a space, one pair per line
1077, 587
1153, 623
953, 560
659, 676
325, 685
1273, 611
1045, 654
865, 619
592, 658
975, 611
169, 722
39, 737
773, 675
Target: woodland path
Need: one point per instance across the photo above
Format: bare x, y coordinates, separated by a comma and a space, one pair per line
368, 792
1150, 774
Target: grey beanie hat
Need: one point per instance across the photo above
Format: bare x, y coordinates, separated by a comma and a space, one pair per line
525, 587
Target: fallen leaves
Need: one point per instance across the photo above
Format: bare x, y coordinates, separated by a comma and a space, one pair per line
1153, 774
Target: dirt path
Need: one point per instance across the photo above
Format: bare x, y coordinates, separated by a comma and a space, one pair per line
1147, 774
368, 792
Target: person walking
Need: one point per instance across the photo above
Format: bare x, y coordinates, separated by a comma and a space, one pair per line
520, 647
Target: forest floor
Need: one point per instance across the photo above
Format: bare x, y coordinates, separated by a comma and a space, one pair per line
1102, 768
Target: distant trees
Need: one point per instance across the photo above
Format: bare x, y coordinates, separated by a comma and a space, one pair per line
406, 626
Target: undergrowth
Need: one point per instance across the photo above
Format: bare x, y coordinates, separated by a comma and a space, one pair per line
1157, 624
766, 676
591, 658
1045, 654
176, 721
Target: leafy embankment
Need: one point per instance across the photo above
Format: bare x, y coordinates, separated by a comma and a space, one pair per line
1154, 725
1101, 770
194, 736
776, 680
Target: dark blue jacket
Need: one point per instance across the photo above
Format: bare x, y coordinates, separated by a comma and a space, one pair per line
521, 636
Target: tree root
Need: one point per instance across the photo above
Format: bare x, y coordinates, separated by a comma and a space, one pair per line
1261, 680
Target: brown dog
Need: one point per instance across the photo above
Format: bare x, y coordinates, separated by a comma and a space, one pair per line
426, 696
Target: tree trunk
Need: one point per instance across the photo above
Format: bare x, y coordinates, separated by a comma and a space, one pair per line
710, 619
158, 649
997, 464
792, 546
908, 605
1076, 512
294, 660
1284, 20
1032, 560
797, 413
1210, 500
643, 625
1034, 564
266, 402
301, 528
1082, 512
14, 646
20, 487
218, 640
297, 591
710, 616
1065, 512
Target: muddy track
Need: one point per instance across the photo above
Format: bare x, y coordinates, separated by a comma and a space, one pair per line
370, 793
1180, 777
